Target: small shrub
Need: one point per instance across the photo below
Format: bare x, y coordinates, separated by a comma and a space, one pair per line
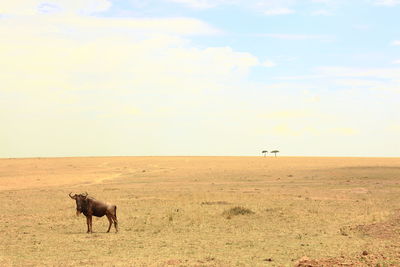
237, 211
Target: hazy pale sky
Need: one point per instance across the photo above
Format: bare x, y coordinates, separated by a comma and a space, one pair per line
199, 77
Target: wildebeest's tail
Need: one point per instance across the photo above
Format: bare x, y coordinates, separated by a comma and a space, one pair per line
115, 212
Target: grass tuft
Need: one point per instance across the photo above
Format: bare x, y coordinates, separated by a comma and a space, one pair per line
215, 203
238, 210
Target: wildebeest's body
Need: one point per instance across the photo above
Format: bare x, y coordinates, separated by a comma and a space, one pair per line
92, 207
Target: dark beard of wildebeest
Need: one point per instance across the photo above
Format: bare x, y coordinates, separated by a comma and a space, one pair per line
92, 207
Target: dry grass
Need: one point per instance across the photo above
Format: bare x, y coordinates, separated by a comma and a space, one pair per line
330, 210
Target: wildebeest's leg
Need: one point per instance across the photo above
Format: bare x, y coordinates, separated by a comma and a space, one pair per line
114, 217
90, 223
87, 222
110, 221
115, 223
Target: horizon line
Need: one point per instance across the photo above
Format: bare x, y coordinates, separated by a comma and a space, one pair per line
194, 156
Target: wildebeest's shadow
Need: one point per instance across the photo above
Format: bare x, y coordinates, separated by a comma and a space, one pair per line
87, 234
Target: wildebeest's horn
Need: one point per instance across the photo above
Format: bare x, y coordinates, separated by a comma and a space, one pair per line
86, 194
73, 197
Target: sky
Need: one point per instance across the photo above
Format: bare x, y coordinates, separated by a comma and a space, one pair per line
199, 77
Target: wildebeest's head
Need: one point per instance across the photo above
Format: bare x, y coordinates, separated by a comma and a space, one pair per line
81, 202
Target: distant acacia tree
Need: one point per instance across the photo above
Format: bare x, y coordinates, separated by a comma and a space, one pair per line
275, 151
264, 152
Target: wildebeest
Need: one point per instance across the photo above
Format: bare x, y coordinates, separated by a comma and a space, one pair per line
92, 207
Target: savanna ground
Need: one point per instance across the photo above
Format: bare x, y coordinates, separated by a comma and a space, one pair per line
176, 211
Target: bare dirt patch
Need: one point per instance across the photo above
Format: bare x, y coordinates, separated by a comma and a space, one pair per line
364, 259
306, 262
389, 229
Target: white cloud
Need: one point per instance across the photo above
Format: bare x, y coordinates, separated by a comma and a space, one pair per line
269, 7
278, 11
76, 53
387, 2
380, 73
321, 12
396, 61
80, 27
395, 128
377, 79
300, 77
268, 63
297, 37
288, 114
118, 62
344, 131
396, 42
198, 4
112, 79
287, 130
32, 7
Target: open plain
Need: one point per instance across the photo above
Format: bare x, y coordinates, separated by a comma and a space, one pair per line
183, 211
